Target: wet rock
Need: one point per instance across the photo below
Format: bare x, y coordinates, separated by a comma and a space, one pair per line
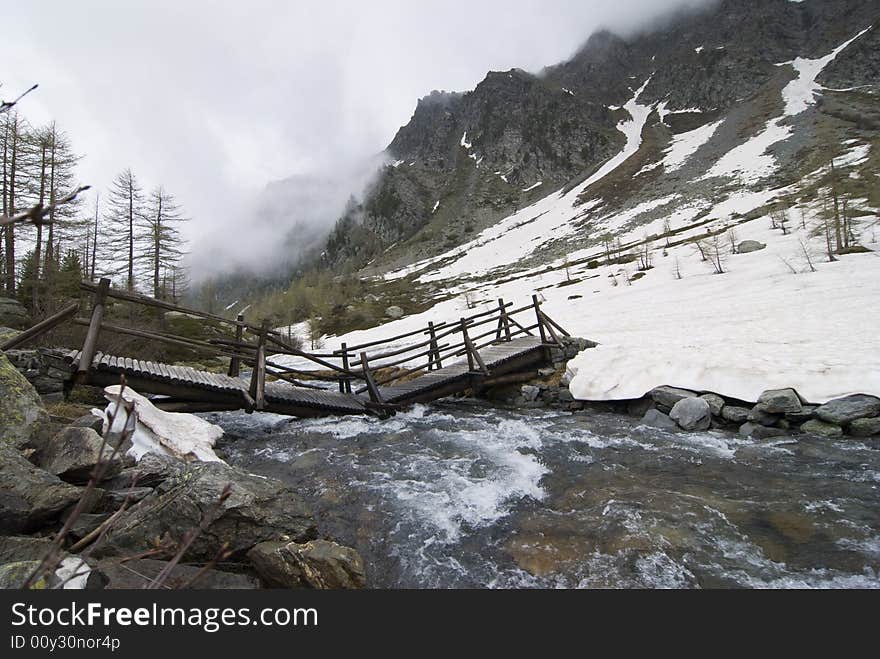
565, 395
747, 246
846, 410
394, 312
669, 396
137, 574
258, 509
760, 415
780, 401
29, 496
716, 403
864, 427
13, 314
318, 564
639, 406
24, 423
657, 419
73, 454
816, 427
692, 414
757, 431
734, 414
804, 415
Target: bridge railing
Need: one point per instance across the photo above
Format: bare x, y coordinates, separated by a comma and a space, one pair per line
374, 363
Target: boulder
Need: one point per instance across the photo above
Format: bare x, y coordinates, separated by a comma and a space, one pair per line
7, 333
73, 454
92, 421
13, 314
23, 548
669, 396
846, 410
318, 564
864, 427
530, 392
86, 523
757, 431
780, 401
734, 414
258, 509
805, 414
747, 246
639, 406
816, 427
656, 419
394, 312
716, 403
24, 423
692, 414
29, 497
761, 416
14, 575
138, 573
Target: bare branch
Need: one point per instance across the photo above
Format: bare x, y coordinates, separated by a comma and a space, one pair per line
37, 214
6, 106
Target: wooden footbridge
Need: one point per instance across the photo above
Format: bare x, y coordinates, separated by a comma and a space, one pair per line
501, 345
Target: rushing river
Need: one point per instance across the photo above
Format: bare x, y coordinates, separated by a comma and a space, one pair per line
459, 495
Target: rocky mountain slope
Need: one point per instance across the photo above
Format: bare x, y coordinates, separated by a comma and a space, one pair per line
465, 161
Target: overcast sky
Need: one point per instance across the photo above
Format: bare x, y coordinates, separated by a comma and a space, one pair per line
216, 99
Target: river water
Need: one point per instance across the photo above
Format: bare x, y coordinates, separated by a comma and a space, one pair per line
456, 494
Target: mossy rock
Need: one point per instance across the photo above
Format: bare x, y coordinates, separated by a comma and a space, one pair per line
14, 575
24, 422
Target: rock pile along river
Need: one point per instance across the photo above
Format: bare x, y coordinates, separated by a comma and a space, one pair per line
458, 495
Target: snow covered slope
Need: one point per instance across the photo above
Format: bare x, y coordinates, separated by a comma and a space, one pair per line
782, 316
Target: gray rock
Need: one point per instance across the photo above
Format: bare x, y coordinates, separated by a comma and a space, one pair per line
114, 499
87, 523
816, 427
23, 548
546, 372
24, 423
138, 573
73, 453
759, 415
780, 401
747, 246
757, 431
29, 496
318, 564
734, 414
394, 312
565, 395
639, 406
13, 314
669, 396
14, 575
692, 414
805, 414
657, 419
258, 509
7, 333
716, 403
864, 427
89, 421
530, 392
846, 410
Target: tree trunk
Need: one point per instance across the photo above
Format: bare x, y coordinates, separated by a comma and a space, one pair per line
10, 229
157, 235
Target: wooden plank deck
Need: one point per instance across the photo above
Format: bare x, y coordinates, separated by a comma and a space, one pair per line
226, 392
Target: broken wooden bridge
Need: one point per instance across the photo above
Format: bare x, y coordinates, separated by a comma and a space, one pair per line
500, 345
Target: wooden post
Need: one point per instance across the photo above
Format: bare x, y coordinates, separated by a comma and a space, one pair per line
373, 390
345, 380
91, 342
504, 322
235, 362
540, 318
467, 344
258, 377
434, 349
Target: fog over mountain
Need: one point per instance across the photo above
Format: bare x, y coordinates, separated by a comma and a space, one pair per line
217, 104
